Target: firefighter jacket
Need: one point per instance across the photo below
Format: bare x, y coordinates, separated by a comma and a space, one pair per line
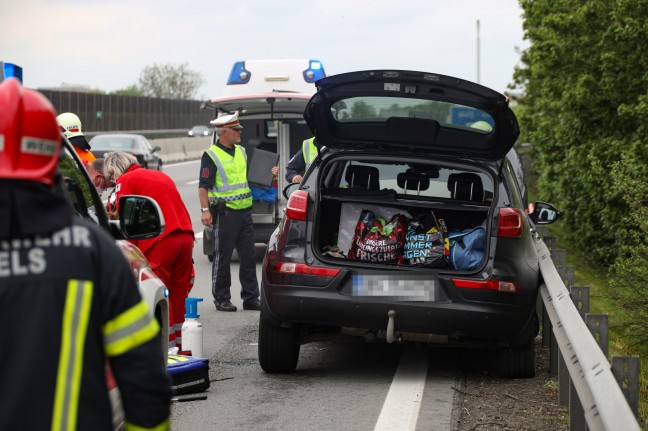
159, 186
68, 302
82, 148
231, 183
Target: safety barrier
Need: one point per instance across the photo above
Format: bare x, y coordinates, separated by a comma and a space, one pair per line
600, 396
180, 149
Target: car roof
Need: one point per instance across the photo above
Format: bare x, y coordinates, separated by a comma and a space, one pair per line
119, 135
413, 112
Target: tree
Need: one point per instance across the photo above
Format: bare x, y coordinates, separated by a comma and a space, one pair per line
585, 113
131, 90
169, 81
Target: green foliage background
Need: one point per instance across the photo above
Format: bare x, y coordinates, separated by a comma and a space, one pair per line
585, 112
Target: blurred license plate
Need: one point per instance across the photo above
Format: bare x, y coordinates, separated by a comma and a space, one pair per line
402, 288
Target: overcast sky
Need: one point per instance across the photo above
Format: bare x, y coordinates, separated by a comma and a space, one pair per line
105, 44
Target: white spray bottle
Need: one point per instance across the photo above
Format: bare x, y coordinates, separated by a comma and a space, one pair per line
192, 330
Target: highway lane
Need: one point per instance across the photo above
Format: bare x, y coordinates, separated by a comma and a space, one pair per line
341, 384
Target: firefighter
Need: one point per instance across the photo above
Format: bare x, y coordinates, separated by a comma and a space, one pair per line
70, 304
70, 125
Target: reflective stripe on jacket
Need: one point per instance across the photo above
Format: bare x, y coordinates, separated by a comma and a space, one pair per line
230, 184
309, 150
73, 302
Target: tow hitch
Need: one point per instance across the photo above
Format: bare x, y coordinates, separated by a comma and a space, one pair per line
390, 326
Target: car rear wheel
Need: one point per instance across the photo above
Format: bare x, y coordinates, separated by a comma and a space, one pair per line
278, 349
517, 362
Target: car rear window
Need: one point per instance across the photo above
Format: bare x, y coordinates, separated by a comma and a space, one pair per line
379, 109
436, 179
114, 143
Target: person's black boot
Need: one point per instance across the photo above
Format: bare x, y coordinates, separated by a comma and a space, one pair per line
225, 306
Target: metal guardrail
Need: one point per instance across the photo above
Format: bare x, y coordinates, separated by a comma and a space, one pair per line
596, 400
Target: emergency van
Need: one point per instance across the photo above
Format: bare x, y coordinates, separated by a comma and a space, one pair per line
270, 97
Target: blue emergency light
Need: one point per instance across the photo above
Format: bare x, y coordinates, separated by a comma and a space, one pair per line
239, 75
10, 70
314, 72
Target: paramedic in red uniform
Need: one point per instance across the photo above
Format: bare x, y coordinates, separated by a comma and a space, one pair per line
170, 254
68, 297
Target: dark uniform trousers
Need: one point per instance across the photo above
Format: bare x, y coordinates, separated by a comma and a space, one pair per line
233, 229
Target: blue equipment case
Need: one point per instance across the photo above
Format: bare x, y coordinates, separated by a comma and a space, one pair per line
188, 374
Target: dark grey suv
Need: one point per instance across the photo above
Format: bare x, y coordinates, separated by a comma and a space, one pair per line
411, 225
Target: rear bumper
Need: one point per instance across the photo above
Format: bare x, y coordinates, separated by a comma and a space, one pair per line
502, 324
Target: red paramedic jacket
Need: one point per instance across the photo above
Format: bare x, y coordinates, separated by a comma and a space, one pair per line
159, 186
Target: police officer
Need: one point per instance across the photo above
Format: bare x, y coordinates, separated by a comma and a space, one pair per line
68, 292
226, 205
301, 161
70, 125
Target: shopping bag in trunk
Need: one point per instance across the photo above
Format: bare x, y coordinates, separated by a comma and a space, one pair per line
378, 240
426, 242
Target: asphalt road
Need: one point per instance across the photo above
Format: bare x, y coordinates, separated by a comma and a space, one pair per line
342, 384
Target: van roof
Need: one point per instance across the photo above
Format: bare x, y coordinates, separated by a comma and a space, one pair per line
274, 76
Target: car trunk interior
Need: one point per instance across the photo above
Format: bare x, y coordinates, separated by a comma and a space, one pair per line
449, 199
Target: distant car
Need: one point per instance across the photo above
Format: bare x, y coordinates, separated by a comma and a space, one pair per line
137, 145
199, 131
411, 225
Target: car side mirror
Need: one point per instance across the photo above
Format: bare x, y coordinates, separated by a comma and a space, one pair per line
544, 213
289, 189
140, 217
156, 149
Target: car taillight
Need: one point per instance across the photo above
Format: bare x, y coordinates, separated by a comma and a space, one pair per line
297, 205
494, 285
302, 268
510, 223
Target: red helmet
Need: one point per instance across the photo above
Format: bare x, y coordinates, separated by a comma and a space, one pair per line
30, 138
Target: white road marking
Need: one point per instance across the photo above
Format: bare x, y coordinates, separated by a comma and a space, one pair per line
199, 235
192, 182
401, 407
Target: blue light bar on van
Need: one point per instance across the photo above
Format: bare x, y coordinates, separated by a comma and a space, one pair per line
314, 72
239, 75
10, 70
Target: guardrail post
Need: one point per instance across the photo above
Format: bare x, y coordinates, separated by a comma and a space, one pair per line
577, 420
550, 241
559, 257
547, 335
598, 326
626, 372
542, 230
580, 296
564, 382
548, 339
567, 275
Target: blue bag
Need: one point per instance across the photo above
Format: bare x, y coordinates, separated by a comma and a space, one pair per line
264, 194
467, 248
